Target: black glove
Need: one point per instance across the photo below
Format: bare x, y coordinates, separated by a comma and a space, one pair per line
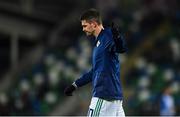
115, 31
69, 90
119, 40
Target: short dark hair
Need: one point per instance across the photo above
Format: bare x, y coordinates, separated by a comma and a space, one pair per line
91, 14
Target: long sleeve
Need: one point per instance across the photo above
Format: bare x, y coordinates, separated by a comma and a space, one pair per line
84, 79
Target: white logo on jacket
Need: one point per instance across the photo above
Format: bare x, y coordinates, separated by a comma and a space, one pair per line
98, 43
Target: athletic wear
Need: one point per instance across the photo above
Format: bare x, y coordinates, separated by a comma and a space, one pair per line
69, 90
105, 72
100, 107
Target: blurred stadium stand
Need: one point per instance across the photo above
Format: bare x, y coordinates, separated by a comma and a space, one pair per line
42, 49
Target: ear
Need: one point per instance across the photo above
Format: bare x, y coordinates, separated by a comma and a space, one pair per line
94, 23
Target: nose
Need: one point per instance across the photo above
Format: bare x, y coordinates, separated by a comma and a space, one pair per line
84, 29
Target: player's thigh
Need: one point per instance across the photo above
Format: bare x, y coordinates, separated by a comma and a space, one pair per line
108, 109
112, 108
100, 107
120, 110
95, 107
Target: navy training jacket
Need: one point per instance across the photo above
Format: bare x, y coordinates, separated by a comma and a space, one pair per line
105, 72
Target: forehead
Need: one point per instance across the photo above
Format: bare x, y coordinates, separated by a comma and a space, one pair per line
85, 22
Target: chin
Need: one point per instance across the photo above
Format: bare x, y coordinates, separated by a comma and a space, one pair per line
89, 34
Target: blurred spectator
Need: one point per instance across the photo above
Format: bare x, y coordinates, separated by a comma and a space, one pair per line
4, 104
167, 105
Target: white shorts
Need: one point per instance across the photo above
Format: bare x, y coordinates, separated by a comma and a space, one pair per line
101, 107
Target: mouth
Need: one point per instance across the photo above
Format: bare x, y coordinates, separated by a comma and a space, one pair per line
88, 33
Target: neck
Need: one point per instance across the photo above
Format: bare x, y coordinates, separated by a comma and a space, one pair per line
98, 30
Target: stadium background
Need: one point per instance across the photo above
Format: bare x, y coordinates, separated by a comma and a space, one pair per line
43, 49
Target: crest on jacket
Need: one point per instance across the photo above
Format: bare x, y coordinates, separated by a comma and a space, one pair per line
98, 43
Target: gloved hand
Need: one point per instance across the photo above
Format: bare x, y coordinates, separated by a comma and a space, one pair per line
69, 90
120, 44
115, 31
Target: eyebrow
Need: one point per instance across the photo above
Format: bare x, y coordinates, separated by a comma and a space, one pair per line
84, 24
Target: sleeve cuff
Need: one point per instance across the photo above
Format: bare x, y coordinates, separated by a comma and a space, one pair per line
74, 84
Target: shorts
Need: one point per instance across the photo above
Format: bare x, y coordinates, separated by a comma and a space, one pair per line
101, 107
